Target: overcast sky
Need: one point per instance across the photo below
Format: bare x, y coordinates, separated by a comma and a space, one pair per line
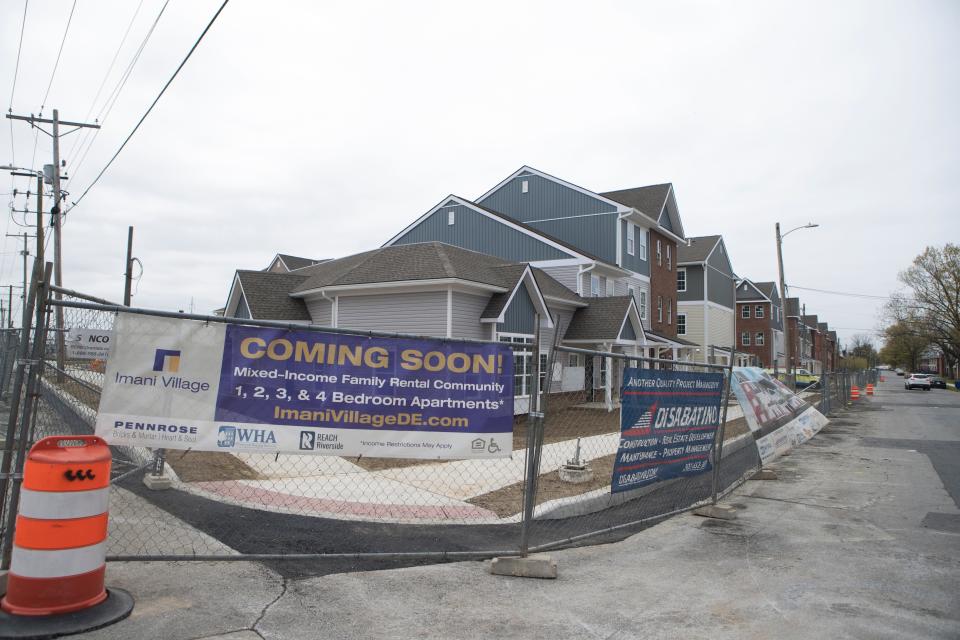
322, 129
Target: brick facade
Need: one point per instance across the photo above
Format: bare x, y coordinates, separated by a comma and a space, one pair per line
763, 355
663, 285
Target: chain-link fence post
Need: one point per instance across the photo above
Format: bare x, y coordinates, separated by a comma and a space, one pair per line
34, 368
13, 416
718, 446
534, 424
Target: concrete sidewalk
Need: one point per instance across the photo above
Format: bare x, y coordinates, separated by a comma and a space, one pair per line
836, 548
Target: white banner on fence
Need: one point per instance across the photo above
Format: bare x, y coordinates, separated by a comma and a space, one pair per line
185, 384
778, 418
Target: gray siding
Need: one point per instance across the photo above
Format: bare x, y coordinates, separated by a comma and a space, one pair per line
720, 260
466, 312
748, 293
423, 313
561, 320
720, 283
665, 218
565, 275
720, 289
320, 311
478, 232
635, 262
544, 199
596, 235
694, 284
519, 315
243, 309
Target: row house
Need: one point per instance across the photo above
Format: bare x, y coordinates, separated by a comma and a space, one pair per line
439, 290
759, 318
597, 244
706, 287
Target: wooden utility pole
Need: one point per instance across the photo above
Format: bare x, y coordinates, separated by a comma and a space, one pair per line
55, 210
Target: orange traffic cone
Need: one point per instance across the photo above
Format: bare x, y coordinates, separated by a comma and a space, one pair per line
59, 545
854, 392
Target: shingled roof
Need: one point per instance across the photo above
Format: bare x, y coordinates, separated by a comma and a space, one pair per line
601, 321
295, 262
267, 295
647, 200
426, 261
696, 249
769, 289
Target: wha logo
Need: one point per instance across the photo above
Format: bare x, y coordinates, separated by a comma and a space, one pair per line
242, 437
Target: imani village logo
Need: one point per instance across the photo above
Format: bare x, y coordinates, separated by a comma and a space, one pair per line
165, 361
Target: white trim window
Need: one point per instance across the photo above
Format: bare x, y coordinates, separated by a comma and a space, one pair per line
643, 304
522, 365
643, 244
659, 308
758, 311
594, 286
631, 241
573, 360
669, 310
659, 254
681, 324
745, 311
745, 338
611, 287
759, 339
451, 217
681, 279
669, 259
524, 186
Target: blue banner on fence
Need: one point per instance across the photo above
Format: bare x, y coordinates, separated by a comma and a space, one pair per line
191, 385
668, 423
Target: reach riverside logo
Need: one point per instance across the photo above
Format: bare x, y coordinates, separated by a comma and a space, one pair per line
165, 361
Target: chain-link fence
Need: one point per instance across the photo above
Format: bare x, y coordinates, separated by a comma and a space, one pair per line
555, 490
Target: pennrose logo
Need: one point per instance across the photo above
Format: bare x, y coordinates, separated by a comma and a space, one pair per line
166, 360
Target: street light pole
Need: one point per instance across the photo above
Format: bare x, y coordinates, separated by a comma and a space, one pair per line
783, 298
783, 301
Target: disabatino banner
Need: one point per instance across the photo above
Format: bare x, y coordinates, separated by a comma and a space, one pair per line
668, 424
187, 384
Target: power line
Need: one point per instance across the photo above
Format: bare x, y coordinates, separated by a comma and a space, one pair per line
57, 63
107, 107
153, 104
16, 68
106, 76
842, 293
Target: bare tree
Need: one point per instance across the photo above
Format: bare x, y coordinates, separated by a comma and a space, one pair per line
931, 308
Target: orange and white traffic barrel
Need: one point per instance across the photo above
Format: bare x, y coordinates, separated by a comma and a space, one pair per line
59, 546
854, 392
869, 389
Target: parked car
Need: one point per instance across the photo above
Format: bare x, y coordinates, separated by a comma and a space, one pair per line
917, 381
899, 371
937, 382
